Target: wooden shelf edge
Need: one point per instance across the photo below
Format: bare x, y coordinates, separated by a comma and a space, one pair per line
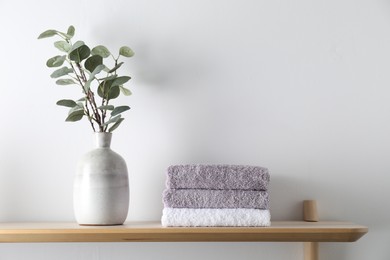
279, 231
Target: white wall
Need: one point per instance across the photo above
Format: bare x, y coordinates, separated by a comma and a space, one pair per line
301, 87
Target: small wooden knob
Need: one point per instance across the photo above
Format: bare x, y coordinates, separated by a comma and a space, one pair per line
310, 213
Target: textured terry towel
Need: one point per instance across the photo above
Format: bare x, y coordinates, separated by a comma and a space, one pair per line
217, 177
196, 198
174, 217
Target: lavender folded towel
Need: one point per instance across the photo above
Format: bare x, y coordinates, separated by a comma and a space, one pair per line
196, 198
217, 177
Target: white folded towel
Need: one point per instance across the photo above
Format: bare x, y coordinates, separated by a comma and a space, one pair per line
191, 217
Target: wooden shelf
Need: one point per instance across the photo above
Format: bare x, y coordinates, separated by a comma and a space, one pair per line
309, 231
279, 231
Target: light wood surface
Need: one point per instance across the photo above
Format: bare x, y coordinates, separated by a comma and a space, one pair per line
310, 214
310, 250
279, 231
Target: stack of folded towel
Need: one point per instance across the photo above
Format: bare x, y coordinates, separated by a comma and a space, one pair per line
216, 195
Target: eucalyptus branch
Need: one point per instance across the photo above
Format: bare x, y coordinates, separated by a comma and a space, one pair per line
86, 101
77, 76
83, 60
90, 97
89, 116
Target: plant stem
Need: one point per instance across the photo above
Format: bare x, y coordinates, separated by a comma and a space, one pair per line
86, 102
90, 116
91, 98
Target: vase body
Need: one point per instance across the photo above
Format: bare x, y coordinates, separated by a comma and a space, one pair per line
101, 186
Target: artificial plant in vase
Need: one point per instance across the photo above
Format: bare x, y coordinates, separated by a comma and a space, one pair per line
101, 188
85, 68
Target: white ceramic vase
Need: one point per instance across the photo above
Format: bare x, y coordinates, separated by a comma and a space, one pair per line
101, 186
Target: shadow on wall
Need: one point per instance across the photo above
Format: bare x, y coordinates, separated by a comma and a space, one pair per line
286, 195
162, 65
10, 203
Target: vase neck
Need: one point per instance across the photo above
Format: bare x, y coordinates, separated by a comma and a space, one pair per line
102, 140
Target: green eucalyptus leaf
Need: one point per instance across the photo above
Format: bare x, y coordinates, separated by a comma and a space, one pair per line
61, 72
108, 107
75, 116
79, 54
65, 82
116, 67
66, 103
82, 99
92, 62
50, 33
47, 33
126, 51
71, 31
107, 90
64, 35
113, 92
101, 51
76, 45
87, 85
120, 80
113, 120
55, 61
104, 88
78, 107
100, 91
119, 110
115, 126
97, 70
62, 46
125, 91
109, 78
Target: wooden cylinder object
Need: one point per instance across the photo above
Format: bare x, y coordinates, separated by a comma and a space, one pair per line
310, 250
310, 213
